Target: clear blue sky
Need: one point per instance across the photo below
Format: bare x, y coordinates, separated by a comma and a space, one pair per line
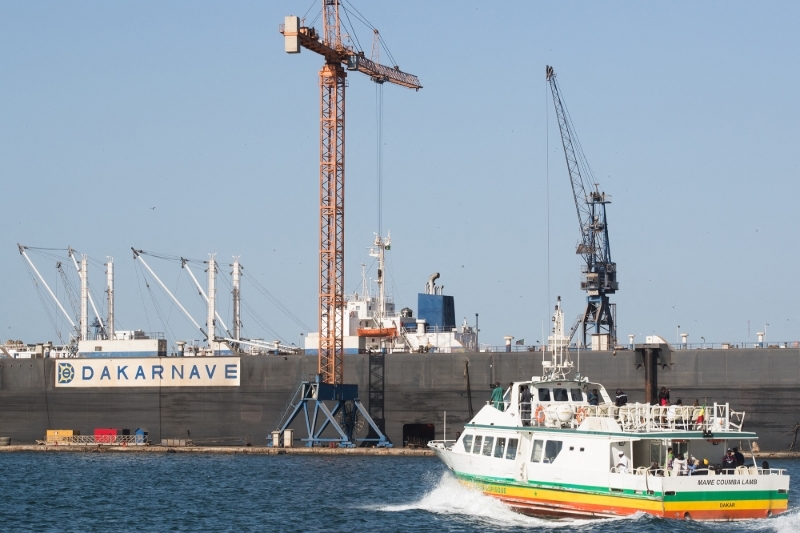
687, 113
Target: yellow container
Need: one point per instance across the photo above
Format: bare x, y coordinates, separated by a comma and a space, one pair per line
63, 432
61, 435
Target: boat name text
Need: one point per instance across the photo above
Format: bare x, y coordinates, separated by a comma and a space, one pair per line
727, 482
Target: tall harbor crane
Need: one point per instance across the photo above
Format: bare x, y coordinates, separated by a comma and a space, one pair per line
329, 385
599, 271
331, 167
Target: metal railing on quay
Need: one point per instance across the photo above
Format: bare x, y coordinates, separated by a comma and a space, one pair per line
93, 440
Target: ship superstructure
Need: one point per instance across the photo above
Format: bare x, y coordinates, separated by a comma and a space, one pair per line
373, 324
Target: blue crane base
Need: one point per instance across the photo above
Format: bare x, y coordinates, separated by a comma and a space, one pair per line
320, 404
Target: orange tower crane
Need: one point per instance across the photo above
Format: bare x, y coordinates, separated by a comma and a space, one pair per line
338, 57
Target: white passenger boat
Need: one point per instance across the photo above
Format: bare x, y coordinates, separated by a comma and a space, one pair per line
560, 456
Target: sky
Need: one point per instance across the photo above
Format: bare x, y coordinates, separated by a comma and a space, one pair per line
182, 128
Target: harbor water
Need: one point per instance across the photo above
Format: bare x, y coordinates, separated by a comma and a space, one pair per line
188, 492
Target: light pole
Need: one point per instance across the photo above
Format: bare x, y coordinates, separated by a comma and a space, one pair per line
678, 336
766, 342
704, 342
477, 331
300, 346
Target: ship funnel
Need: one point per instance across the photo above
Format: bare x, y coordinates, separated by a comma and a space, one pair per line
430, 287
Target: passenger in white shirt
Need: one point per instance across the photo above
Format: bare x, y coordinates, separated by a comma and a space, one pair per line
679, 466
671, 414
622, 464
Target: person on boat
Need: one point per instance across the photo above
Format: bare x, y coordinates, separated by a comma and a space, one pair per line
525, 405
701, 470
670, 458
656, 470
621, 398
497, 396
692, 465
622, 463
671, 413
593, 397
728, 460
679, 413
739, 456
765, 465
663, 396
679, 466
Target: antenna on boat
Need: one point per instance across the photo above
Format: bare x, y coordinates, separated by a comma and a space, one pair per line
558, 345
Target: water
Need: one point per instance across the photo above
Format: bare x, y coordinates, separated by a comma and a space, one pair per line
183, 492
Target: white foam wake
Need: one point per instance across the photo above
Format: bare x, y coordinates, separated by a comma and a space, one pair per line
449, 497
788, 522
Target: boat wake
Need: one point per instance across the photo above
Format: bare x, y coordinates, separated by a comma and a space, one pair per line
788, 522
449, 497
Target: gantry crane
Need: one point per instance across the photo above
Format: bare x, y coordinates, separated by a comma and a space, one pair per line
329, 385
599, 272
331, 167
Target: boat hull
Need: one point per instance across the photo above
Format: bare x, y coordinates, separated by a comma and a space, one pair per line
559, 503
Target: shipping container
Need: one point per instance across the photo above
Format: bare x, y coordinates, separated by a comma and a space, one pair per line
105, 435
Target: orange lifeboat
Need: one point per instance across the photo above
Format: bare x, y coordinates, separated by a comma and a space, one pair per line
377, 332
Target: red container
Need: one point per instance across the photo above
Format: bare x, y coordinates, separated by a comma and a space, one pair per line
106, 435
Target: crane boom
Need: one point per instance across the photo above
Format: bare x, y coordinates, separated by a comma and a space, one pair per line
305, 37
599, 271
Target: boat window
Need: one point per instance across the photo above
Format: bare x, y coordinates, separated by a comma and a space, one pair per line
499, 447
544, 395
511, 450
477, 447
536, 455
551, 450
577, 395
467, 443
560, 395
487, 446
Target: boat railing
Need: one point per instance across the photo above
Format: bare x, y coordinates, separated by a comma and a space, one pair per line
637, 417
666, 472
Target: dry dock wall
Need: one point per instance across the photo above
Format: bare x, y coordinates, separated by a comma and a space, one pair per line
419, 388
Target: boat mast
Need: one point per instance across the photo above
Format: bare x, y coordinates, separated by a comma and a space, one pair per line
558, 345
201, 292
212, 298
110, 293
84, 274
237, 276
71, 254
379, 252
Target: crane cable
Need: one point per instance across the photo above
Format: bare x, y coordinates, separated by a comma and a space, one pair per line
379, 116
547, 181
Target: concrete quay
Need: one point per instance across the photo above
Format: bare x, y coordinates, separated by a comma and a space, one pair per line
245, 450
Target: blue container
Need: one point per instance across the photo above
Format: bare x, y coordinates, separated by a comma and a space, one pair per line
141, 436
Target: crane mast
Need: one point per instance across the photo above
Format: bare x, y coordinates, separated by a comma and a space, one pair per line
599, 277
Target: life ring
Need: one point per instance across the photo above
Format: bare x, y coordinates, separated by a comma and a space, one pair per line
539, 414
580, 415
